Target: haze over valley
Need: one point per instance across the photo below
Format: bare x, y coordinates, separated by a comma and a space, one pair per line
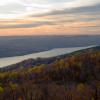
17, 46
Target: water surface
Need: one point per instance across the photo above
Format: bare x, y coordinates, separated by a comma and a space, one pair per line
51, 53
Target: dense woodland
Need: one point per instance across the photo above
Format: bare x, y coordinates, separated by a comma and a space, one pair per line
75, 77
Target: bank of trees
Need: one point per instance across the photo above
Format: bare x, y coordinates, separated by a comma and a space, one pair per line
72, 78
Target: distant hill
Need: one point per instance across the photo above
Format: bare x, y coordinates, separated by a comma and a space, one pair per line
21, 45
69, 77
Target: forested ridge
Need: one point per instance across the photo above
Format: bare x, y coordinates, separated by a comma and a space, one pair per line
74, 77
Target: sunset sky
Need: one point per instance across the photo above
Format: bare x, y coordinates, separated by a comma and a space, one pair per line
49, 17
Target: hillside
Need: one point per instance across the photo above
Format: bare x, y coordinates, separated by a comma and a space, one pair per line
68, 77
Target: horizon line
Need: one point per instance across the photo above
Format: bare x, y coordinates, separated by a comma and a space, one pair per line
51, 35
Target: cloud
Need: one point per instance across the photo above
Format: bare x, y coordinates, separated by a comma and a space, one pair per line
60, 16
86, 9
26, 25
65, 17
40, 6
10, 8
79, 10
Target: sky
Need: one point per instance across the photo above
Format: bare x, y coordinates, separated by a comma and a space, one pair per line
49, 17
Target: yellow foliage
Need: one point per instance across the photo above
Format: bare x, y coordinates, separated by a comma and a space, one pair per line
80, 87
13, 86
39, 68
1, 89
20, 98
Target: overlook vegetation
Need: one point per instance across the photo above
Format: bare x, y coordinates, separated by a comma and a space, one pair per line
74, 77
